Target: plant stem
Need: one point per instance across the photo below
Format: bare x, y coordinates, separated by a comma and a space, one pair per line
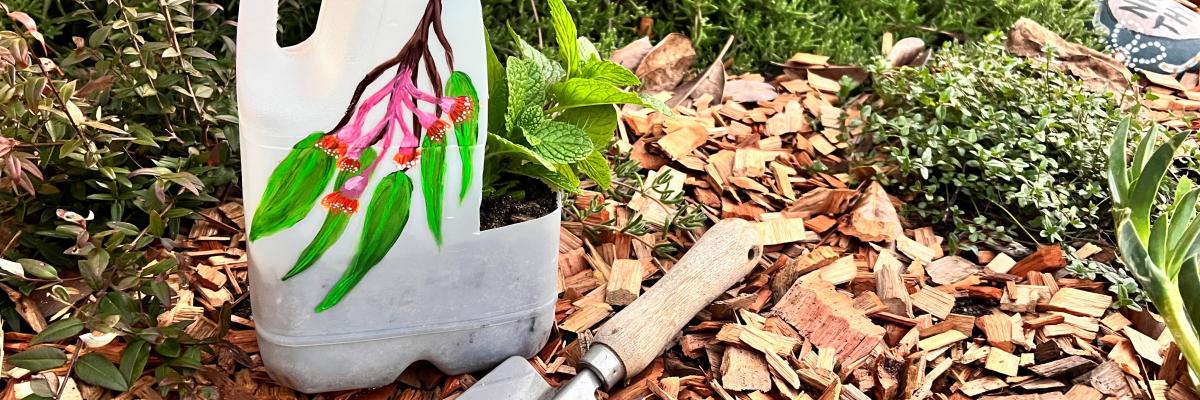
1172, 308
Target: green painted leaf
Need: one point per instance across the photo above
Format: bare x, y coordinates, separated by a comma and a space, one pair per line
1147, 184
564, 34
38, 359
97, 370
293, 188
59, 330
595, 166
600, 123
334, 225
582, 92
133, 360
331, 230
609, 72
433, 176
559, 142
386, 218
466, 132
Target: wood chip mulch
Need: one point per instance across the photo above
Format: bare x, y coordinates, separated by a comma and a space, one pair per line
849, 300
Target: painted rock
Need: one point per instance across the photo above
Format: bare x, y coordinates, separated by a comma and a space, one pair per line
1159, 36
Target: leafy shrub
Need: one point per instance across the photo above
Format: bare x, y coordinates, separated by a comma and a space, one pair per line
848, 30
1008, 143
122, 133
553, 121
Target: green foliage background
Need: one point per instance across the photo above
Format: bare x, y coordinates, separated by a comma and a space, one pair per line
850, 31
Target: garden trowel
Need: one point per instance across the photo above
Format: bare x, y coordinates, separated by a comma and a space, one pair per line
633, 338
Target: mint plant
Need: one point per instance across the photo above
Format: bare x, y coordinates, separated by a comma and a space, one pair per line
553, 119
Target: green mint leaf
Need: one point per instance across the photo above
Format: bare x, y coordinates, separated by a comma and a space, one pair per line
600, 122
656, 105
564, 34
97, 370
609, 72
559, 143
552, 177
587, 50
595, 166
498, 145
582, 92
497, 88
526, 95
552, 72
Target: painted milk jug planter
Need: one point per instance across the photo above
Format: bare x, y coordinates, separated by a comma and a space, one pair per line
363, 154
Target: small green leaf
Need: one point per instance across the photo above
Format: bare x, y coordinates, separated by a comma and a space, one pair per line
133, 360
564, 34
600, 123
97, 370
169, 348
38, 269
1118, 170
58, 330
554, 179
526, 94
587, 50
547, 68
501, 147
582, 92
609, 72
595, 166
560, 143
38, 359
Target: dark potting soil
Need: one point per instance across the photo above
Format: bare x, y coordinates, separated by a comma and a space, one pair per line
501, 211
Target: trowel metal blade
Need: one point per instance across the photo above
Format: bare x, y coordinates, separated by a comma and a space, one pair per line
513, 379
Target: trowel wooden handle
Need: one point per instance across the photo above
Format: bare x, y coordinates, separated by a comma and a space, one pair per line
721, 258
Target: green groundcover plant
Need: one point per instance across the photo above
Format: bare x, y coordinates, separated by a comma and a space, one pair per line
1159, 248
994, 146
